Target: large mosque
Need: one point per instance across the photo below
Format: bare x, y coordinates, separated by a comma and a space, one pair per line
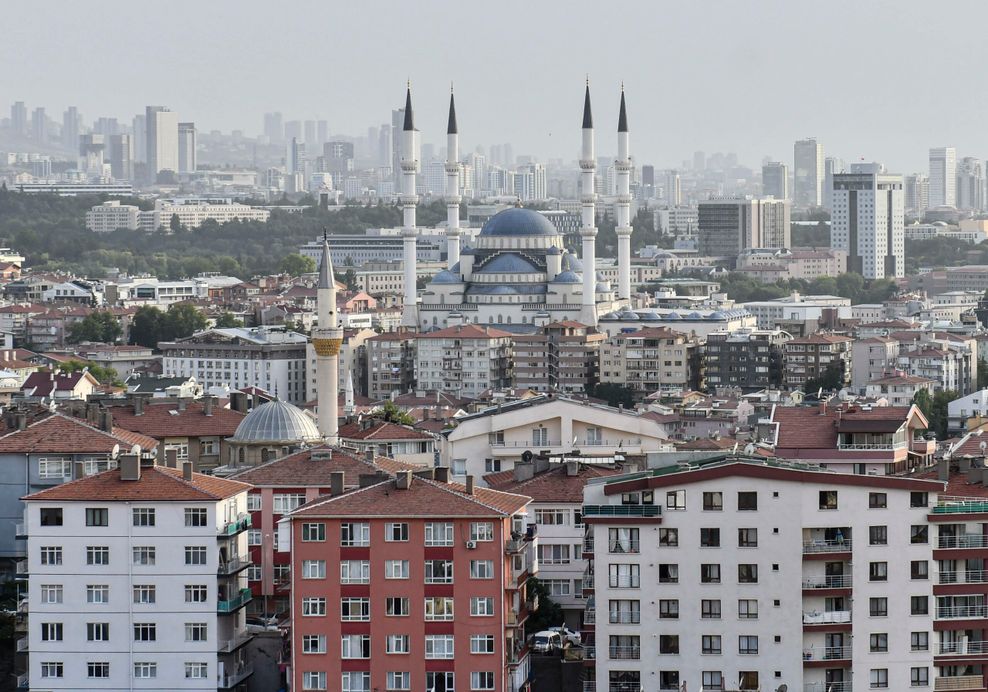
519, 274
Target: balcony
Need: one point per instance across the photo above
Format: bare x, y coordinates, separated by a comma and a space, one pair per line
21, 569
832, 617
624, 653
588, 578
621, 510
623, 617
23, 682
969, 540
588, 544
230, 645
827, 582
514, 546
822, 546
589, 686
966, 612
590, 616
243, 672
969, 576
20, 531
959, 682
22, 645
235, 527
827, 653
870, 446
233, 565
961, 648
234, 604
827, 687
950, 504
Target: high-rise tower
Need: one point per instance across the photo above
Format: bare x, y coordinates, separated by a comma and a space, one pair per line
452, 186
327, 338
588, 212
622, 165
408, 199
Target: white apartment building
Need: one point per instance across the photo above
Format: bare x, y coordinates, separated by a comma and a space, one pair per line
868, 222
192, 213
796, 308
943, 177
111, 215
742, 574
136, 581
464, 360
808, 174
149, 290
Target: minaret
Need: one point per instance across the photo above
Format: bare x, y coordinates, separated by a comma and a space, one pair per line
408, 198
623, 205
349, 407
588, 231
327, 338
452, 186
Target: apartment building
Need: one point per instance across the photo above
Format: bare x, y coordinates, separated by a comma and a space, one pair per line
136, 581
464, 360
653, 359
381, 438
737, 574
411, 584
871, 359
561, 357
748, 358
814, 356
390, 361
899, 389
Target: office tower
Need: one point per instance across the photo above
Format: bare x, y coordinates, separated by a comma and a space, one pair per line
775, 180
808, 172
18, 119
322, 132
310, 134
187, 140
41, 167
727, 227
943, 177
295, 166
774, 223
916, 190
91, 152
293, 130
139, 139
970, 185
121, 157
39, 125
867, 221
373, 142
71, 125
428, 153
274, 128
699, 161
533, 185
106, 127
384, 145
497, 156
162, 141
509, 155
477, 164
648, 176
831, 165
674, 190
339, 157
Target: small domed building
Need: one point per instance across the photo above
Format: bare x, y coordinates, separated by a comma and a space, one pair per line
272, 430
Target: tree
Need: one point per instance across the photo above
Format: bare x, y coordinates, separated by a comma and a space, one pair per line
296, 264
614, 394
182, 320
175, 224
102, 374
832, 379
350, 279
226, 320
935, 409
390, 413
145, 328
99, 326
549, 613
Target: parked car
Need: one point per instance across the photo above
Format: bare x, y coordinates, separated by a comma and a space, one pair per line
546, 642
567, 635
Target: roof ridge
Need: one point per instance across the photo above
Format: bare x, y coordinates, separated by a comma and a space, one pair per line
322, 500
176, 475
473, 498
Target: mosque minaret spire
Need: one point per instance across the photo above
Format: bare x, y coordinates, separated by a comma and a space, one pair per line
623, 204
588, 212
408, 199
452, 186
327, 338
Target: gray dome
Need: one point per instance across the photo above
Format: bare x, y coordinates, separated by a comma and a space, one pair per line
509, 263
566, 277
716, 315
673, 316
446, 277
602, 287
518, 222
554, 251
276, 421
571, 263
648, 316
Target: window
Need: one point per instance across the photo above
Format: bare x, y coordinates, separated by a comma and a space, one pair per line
195, 632
438, 533
51, 516
828, 499
552, 517
144, 555
747, 644
553, 554
622, 576
195, 593
396, 533
399, 681
878, 643
440, 682
438, 608
624, 612
396, 569
98, 670
355, 646
97, 555
919, 605
712, 679
919, 569
97, 516
313, 532
195, 516
919, 535
919, 499
51, 555
287, 502
397, 644
54, 468
314, 644
51, 593
397, 606
668, 643
878, 535
97, 593
710, 609
354, 609
97, 631
195, 555
482, 531
558, 587
669, 609
438, 571
51, 669
747, 609
878, 607
709, 538
482, 643
482, 569
669, 537
878, 571
747, 501
668, 680
314, 569
919, 641
313, 606
439, 646
879, 678
313, 680
710, 573
145, 632
51, 631
482, 680
621, 540
919, 677
144, 671
196, 671
676, 499
144, 593
668, 573
747, 538
747, 574
253, 502
480, 606
143, 516
713, 501
254, 537
355, 572
710, 644
878, 500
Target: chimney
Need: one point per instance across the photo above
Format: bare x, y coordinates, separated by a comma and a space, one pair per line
106, 421
79, 470
523, 471
138, 405
187, 471
943, 470
469, 485
207, 405
21, 421
336, 483
369, 455
130, 467
823, 408
182, 403
403, 480
238, 402
572, 468
441, 474
92, 415
171, 458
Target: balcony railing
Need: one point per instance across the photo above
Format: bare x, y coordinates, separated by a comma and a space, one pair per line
621, 510
962, 612
829, 546
22, 645
967, 576
242, 673
233, 565
588, 544
959, 682
514, 546
624, 581
621, 617
590, 616
588, 578
626, 545
842, 581
21, 568
20, 530
624, 652
868, 446
525, 444
968, 540
827, 653
951, 504
589, 686
961, 648
230, 645
232, 528
242, 598
23, 681
827, 618
599, 442
827, 687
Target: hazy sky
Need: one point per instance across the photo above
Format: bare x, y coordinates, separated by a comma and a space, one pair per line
873, 79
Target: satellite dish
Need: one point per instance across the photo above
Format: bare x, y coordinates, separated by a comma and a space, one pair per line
527, 455
782, 688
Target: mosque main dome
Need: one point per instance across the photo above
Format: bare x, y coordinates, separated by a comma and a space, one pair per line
518, 221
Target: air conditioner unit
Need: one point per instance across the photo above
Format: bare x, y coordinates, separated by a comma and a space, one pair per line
471, 545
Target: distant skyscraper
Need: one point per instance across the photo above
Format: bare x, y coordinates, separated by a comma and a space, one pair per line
509, 155
295, 165
831, 166
293, 130
18, 119
808, 172
106, 127
699, 161
322, 132
867, 221
310, 134
139, 139
530, 182
775, 180
729, 226
274, 128
71, 125
92, 148
397, 121
943, 177
373, 142
162, 141
674, 190
339, 158
970, 185
384, 145
916, 190
187, 140
39, 125
121, 157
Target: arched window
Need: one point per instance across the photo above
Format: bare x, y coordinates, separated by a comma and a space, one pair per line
265, 455
242, 455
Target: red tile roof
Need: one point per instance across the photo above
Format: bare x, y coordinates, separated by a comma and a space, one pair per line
381, 430
156, 484
554, 485
61, 434
43, 383
467, 331
805, 428
302, 470
166, 420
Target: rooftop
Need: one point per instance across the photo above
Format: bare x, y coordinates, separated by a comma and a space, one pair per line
61, 434
156, 484
554, 484
313, 467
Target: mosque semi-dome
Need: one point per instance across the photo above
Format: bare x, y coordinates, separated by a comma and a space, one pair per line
518, 222
446, 277
567, 277
277, 421
508, 263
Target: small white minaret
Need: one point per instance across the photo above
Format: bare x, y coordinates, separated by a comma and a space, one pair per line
623, 205
408, 198
452, 186
588, 231
349, 406
327, 338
